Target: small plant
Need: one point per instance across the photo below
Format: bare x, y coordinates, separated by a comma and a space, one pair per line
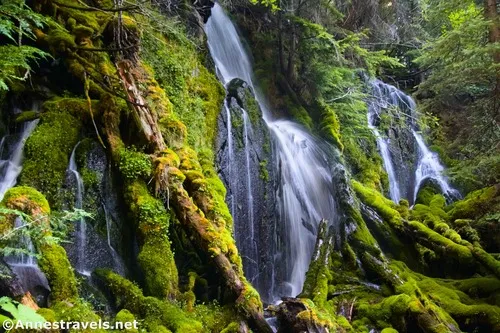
135, 164
41, 229
18, 312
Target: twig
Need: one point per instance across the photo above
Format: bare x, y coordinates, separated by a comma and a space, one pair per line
89, 102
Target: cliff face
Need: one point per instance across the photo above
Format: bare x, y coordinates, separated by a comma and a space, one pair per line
177, 186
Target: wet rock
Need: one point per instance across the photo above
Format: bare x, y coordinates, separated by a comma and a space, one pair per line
245, 164
105, 231
291, 320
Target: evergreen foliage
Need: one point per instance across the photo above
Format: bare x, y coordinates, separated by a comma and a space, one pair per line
17, 22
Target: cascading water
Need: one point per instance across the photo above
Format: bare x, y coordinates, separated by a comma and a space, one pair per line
306, 195
23, 265
304, 182
119, 266
429, 167
383, 146
11, 167
81, 229
230, 155
407, 160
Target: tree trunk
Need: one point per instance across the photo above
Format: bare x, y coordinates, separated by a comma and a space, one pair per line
491, 13
218, 244
199, 227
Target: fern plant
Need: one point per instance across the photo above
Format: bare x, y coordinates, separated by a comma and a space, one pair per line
36, 229
17, 21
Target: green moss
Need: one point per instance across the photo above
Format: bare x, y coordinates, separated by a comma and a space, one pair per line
385, 207
48, 314
55, 265
75, 311
298, 113
125, 316
441, 244
27, 199
90, 178
264, 174
330, 125
47, 150
426, 193
366, 165
134, 164
26, 116
465, 311
475, 204
152, 311
195, 93
157, 261
252, 108
389, 330
173, 130
216, 318
155, 255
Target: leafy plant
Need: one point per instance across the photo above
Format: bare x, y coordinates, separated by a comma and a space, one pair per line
41, 229
17, 21
134, 164
18, 312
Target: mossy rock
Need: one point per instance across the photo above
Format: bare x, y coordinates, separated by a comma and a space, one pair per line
475, 204
426, 191
155, 255
55, 265
26, 199
134, 164
152, 311
125, 316
47, 150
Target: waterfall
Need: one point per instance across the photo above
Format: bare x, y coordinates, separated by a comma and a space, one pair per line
117, 261
304, 184
246, 130
229, 126
25, 243
306, 195
11, 167
429, 167
81, 229
407, 160
23, 265
383, 146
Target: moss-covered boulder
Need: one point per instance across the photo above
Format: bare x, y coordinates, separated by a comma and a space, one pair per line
47, 150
